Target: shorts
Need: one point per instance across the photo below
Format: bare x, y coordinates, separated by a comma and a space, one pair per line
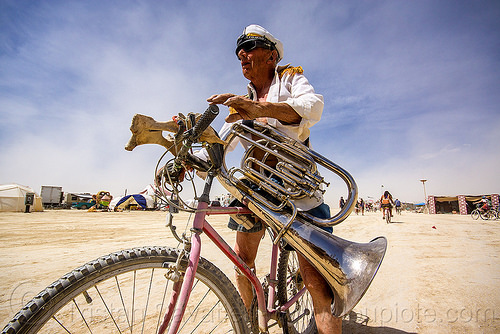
321, 211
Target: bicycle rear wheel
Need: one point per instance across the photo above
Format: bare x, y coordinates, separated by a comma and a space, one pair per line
299, 318
488, 215
128, 292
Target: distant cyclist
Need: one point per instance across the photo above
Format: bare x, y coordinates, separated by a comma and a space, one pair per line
398, 205
386, 202
484, 204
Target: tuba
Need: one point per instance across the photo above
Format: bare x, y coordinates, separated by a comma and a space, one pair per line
285, 171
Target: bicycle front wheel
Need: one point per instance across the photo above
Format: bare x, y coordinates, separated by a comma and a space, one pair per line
299, 318
128, 292
475, 214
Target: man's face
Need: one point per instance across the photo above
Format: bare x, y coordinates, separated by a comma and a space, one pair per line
254, 63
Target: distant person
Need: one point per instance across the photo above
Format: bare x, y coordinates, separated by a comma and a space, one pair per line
342, 202
386, 202
362, 205
398, 205
484, 204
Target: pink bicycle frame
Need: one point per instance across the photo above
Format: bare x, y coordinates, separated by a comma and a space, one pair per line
182, 288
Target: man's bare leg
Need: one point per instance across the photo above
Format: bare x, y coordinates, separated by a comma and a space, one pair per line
322, 299
246, 248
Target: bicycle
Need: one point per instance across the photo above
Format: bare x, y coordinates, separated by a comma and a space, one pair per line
159, 289
495, 210
489, 214
387, 215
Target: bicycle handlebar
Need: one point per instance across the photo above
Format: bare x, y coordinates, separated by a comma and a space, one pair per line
193, 134
205, 120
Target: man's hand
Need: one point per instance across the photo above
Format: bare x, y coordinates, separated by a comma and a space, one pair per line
248, 109
245, 108
219, 98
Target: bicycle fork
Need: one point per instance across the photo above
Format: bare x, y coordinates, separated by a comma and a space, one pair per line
183, 284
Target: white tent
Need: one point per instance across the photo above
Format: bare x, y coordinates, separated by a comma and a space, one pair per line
13, 196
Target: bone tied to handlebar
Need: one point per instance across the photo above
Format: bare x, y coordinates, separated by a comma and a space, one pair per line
348, 267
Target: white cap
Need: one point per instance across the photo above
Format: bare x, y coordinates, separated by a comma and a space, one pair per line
255, 31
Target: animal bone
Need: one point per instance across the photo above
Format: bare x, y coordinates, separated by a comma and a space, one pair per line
146, 130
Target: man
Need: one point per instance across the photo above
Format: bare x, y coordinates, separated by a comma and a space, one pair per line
282, 97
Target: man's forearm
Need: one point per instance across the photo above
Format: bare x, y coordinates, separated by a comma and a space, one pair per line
280, 111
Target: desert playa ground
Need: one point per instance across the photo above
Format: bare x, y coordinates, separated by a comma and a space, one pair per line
441, 273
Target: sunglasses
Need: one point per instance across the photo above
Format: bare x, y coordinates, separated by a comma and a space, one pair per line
252, 44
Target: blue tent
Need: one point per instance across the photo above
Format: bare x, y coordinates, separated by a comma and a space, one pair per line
132, 199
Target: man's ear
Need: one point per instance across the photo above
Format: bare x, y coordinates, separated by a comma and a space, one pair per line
273, 56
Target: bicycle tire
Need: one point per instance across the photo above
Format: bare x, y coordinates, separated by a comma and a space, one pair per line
484, 215
299, 318
91, 291
387, 216
475, 214
488, 215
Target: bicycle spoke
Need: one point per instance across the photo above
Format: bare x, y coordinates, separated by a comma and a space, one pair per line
81, 314
196, 307
160, 314
203, 301
147, 300
107, 308
299, 318
217, 326
206, 315
123, 302
133, 301
67, 331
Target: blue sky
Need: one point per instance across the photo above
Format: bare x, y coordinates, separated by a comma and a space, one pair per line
411, 88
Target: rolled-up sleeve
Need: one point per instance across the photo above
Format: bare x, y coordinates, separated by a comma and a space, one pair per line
303, 99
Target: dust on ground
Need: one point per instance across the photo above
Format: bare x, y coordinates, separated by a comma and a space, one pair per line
441, 273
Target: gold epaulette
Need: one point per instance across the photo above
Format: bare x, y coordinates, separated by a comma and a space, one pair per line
291, 70
233, 111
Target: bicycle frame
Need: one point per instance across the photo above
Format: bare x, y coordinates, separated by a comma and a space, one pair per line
387, 214
183, 287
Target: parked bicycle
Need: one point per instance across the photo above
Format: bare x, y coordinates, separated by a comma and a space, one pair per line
175, 290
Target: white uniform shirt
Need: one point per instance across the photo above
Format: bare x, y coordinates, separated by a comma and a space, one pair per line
295, 90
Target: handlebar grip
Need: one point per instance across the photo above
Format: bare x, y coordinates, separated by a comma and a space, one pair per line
195, 132
205, 120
